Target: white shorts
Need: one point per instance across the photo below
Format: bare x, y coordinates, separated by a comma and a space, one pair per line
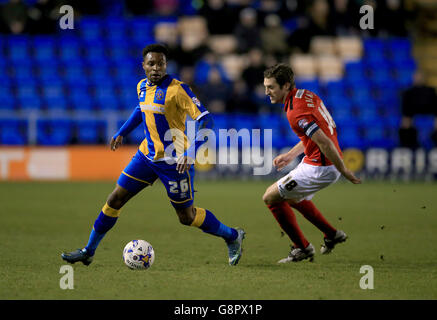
305, 180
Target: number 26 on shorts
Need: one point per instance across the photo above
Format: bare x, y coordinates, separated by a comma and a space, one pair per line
181, 187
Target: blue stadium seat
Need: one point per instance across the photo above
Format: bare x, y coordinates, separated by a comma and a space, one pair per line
54, 132
403, 72
54, 97
90, 28
311, 85
340, 108
367, 111
81, 102
244, 121
18, 48
26, 90
100, 74
105, 98
425, 126
141, 31
69, 49
22, 70
48, 71
12, 132
374, 50
94, 52
90, 131
399, 49
376, 135
118, 51
7, 98
126, 72
43, 48
128, 98
74, 72
359, 91
281, 135
349, 136
388, 98
29, 103
335, 88
115, 29
354, 72
380, 74
136, 136
221, 121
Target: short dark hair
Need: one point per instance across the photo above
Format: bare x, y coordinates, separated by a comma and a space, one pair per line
282, 73
155, 47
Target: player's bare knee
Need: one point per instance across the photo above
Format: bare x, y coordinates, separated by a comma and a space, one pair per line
267, 198
271, 197
118, 198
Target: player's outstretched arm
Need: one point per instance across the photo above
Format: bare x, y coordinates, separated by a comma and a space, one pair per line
187, 159
284, 159
130, 124
330, 151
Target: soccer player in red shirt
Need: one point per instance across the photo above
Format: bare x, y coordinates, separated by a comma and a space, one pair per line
321, 166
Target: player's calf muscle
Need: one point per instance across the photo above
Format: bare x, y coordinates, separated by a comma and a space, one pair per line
186, 215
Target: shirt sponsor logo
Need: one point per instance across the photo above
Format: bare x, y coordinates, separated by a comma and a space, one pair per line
302, 123
148, 107
196, 101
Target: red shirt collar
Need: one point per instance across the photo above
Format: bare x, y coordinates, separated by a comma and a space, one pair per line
288, 99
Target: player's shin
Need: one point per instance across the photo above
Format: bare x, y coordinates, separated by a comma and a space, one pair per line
207, 222
312, 214
104, 222
287, 220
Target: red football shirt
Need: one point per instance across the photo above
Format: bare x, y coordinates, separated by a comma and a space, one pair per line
307, 114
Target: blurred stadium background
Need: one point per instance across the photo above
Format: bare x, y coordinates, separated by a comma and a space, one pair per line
72, 89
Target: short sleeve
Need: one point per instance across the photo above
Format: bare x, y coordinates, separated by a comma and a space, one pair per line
306, 125
190, 103
139, 87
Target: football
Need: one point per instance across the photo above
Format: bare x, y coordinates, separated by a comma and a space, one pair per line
138, 254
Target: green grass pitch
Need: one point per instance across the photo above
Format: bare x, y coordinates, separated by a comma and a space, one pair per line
391, 227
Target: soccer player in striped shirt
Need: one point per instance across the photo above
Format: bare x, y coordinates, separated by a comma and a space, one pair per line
321, 166
163, 105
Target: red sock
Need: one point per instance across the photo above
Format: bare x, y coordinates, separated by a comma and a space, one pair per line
312, 214
287, 220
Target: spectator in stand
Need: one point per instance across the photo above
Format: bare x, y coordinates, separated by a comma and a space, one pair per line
253, 73
219, 16
139, 7
204, 65
166, 7
274, 36
419, 99
240, 99
268, 7
247, 32
393, 18
14, 16
344, 15
44, 16
186, 74
317, 25
215, 92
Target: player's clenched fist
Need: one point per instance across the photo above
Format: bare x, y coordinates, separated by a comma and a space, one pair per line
115, 143
282, 161
351, 177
